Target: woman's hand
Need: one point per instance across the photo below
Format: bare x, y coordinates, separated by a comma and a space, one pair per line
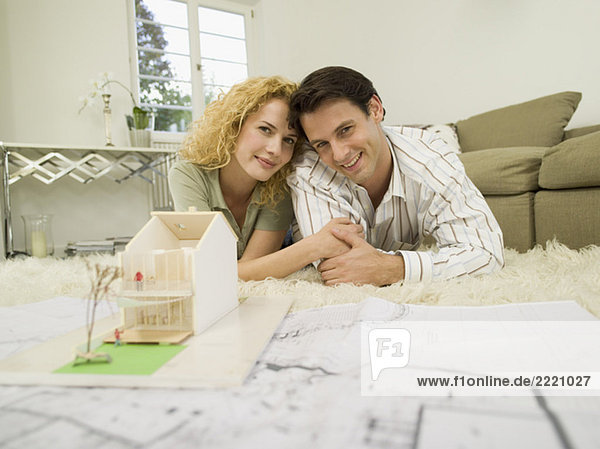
262, 258
328, 245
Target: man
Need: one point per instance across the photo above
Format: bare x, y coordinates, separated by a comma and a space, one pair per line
399, 183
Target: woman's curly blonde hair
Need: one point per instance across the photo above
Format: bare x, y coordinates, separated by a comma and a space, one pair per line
212, 139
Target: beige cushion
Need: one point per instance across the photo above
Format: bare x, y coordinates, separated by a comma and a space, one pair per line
536, 123
504, 171
573, 163
445, 132
576, 132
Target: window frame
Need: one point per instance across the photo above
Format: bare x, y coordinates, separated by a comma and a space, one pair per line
194, 43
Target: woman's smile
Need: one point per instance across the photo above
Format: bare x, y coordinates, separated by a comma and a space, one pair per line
266, 163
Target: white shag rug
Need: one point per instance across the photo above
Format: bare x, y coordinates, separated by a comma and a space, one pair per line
554, 273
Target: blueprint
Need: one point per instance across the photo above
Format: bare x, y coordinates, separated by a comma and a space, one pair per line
304, 391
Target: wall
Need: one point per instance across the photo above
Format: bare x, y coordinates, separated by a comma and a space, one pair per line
440, 61
50, 52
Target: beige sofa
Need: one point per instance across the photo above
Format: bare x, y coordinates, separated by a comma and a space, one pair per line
540, 181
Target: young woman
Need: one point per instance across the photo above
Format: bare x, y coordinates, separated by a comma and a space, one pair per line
235, 160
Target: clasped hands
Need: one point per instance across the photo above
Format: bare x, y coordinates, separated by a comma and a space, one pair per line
348, 258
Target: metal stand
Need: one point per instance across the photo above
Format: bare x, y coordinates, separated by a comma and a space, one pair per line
8, 237
48, 163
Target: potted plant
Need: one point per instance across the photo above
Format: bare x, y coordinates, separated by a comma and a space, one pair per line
138, 123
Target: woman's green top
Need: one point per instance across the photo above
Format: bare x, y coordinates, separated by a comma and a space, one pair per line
192, 185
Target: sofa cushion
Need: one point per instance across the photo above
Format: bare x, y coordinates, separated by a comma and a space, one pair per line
536, 123
573, 163
576, 132
570, 216
504, 171
514, 214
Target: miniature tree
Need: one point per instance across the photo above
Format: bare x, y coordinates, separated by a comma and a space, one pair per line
101, 278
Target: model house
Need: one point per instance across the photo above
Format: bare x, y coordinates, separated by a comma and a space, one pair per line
179, 276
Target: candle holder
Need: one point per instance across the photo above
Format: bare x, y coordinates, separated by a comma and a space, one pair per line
107, 120
38, 235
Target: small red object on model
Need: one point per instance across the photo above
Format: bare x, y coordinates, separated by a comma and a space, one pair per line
139, 277
117, 337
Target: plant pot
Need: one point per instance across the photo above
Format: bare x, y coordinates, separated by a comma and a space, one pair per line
139, 137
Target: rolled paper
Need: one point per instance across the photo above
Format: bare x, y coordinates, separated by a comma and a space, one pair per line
38, 244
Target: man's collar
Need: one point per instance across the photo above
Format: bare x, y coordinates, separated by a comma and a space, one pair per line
396, 180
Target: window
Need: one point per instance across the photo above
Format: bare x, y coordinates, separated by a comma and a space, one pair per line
186, 53
223, 50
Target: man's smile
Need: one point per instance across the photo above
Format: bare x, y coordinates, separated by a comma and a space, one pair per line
350, 165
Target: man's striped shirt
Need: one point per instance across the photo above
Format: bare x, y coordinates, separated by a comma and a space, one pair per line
429, 194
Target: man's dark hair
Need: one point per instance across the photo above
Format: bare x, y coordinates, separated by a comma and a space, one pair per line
330, 83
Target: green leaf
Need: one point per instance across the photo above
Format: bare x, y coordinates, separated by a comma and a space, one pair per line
141, 118
129, 120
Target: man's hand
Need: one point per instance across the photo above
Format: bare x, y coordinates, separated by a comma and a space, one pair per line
362, 264
328, 245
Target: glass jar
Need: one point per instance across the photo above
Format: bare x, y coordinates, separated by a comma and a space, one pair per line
38, 235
